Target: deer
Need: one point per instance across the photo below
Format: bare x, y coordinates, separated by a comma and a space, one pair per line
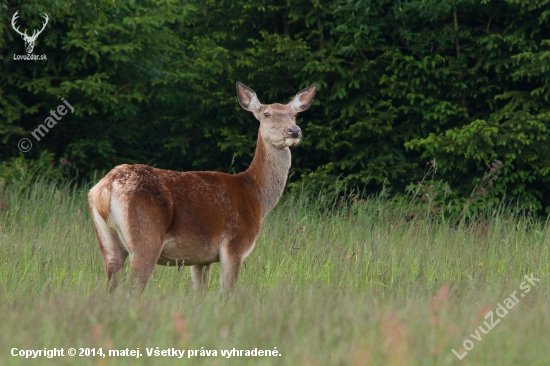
29, 40
196, 218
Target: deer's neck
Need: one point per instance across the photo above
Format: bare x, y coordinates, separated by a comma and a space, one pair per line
268, 172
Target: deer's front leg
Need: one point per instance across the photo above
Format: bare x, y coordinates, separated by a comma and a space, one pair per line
230, 265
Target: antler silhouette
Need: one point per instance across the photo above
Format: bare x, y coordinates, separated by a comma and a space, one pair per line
25, 35
15, 16
43, 26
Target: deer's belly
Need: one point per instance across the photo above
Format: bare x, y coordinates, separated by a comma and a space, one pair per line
191, 250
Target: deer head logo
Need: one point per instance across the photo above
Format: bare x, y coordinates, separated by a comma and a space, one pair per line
29, 40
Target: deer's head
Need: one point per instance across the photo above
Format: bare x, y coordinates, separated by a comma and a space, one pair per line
277, 121
29, 40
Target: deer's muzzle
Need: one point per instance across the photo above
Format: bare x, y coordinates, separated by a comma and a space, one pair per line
294, 132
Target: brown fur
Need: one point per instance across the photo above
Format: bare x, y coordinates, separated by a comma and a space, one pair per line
165, 217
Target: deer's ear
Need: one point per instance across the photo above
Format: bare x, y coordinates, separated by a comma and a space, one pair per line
247, 98
303, 99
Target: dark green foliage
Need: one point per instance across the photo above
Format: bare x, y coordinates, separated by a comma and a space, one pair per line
461, 83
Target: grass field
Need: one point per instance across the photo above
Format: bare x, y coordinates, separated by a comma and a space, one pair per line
359, 283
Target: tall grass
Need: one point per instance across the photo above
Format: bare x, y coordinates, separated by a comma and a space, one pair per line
332, 281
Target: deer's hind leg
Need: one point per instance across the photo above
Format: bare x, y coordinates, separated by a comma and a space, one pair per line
143, 225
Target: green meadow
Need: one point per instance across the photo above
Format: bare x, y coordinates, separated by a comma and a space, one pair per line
333, 280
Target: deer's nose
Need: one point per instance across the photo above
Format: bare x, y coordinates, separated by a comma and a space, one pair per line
294, 132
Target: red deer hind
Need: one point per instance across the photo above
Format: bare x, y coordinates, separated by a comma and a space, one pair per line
196, 218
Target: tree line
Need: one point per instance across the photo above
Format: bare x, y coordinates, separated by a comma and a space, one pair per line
449, 93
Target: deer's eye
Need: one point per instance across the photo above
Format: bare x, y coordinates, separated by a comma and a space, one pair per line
266, 114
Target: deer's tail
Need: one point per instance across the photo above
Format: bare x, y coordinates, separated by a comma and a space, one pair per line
100, 196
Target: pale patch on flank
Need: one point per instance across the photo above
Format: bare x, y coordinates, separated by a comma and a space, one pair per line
105, 237
118, 221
